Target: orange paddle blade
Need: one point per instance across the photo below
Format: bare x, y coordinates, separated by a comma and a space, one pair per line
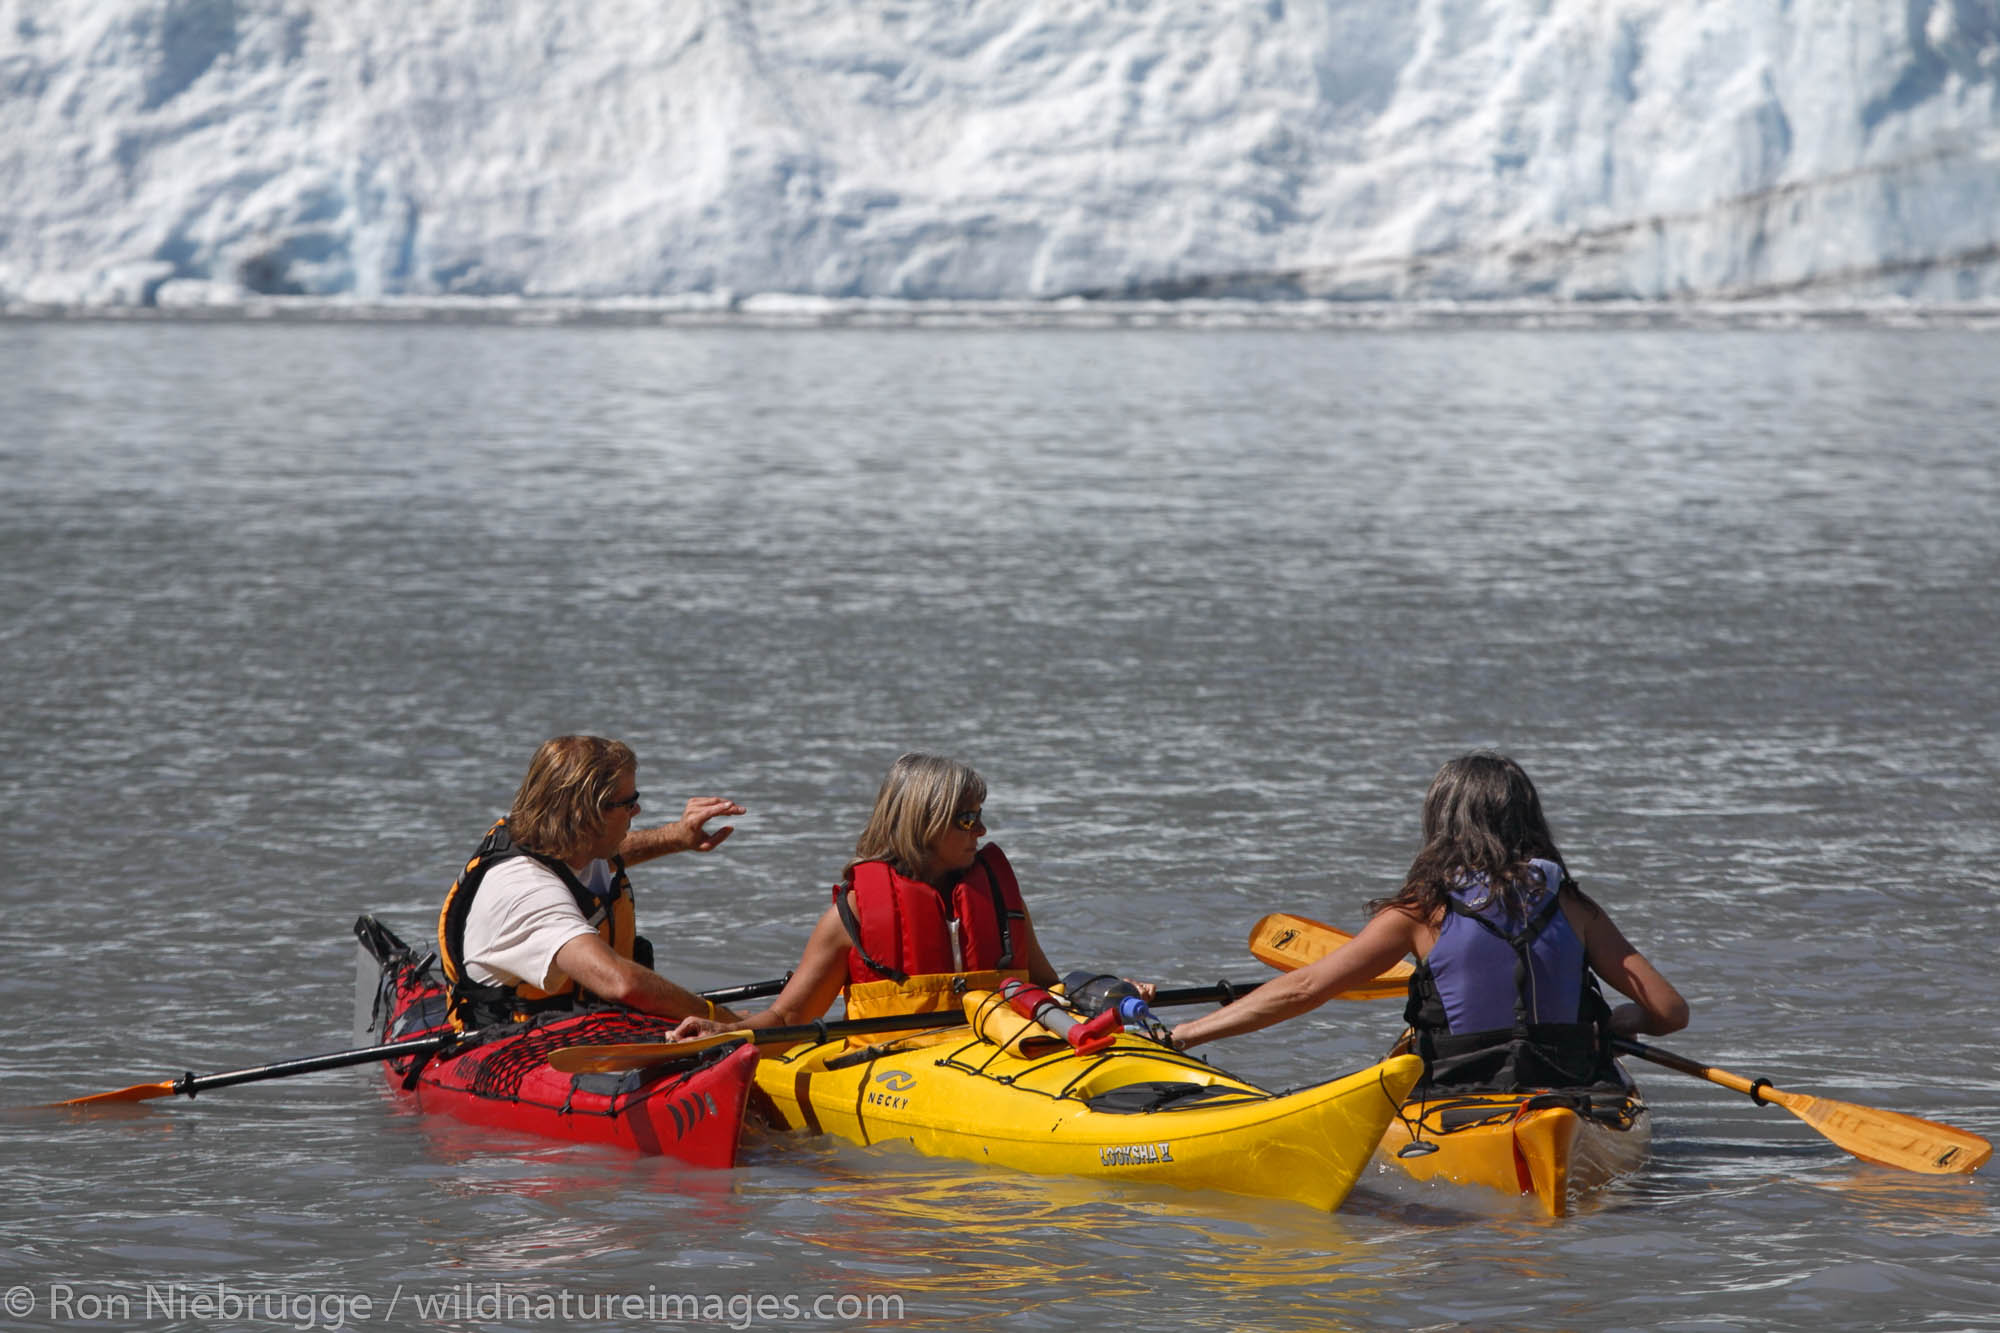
138, 1092
1289, 942
617, 1057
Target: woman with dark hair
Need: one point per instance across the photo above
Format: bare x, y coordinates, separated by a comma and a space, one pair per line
921, 913
1504, 994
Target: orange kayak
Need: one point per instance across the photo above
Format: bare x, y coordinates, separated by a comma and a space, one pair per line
1551, 1145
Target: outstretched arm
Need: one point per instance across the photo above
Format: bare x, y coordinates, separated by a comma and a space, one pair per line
1383, 941
686, 834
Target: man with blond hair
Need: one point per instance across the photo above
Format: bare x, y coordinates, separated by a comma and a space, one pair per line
541, 920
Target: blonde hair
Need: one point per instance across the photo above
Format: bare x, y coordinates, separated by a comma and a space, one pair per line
914, 806
560, 806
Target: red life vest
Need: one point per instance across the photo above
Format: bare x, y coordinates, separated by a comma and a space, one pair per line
902, 927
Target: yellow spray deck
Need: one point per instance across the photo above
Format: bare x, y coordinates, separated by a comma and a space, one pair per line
1138, 1112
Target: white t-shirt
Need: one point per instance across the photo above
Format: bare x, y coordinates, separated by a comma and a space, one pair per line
521, 915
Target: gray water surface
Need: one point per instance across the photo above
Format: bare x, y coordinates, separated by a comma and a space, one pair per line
287, 608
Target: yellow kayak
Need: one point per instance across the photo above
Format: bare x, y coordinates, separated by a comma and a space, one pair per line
1137, 1112
1550, 1145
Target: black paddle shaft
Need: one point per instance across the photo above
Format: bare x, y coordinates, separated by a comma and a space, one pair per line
755, 990
1224, 991
187, 1085
822, 1030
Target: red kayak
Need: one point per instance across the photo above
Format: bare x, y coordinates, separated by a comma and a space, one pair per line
690, 1110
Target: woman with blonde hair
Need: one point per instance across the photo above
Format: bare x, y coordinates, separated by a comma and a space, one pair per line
921, 913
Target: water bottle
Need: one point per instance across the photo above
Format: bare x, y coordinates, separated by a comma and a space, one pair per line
1094, 992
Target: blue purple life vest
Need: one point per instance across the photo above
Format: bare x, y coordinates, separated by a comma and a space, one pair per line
1476, 968
1505, 999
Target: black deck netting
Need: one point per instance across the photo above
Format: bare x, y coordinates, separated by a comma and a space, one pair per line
501, 1067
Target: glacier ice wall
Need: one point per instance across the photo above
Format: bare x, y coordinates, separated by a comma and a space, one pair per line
163, 150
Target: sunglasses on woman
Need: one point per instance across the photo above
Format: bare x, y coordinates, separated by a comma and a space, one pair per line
967, 819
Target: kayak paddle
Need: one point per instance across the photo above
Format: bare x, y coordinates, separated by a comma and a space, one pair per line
1289, 942
615, 1058
1887, 1138
188, 1084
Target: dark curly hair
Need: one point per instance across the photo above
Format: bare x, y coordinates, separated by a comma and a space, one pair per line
1482, 821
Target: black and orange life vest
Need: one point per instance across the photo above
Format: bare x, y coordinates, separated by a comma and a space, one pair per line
914, 947
479, 1003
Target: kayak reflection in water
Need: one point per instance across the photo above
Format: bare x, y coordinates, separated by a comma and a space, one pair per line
1508, 950
922, 912
540, 920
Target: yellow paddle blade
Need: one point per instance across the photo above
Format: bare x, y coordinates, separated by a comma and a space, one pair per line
1289, 942
138, 1092
1889, 1138
616, 1058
